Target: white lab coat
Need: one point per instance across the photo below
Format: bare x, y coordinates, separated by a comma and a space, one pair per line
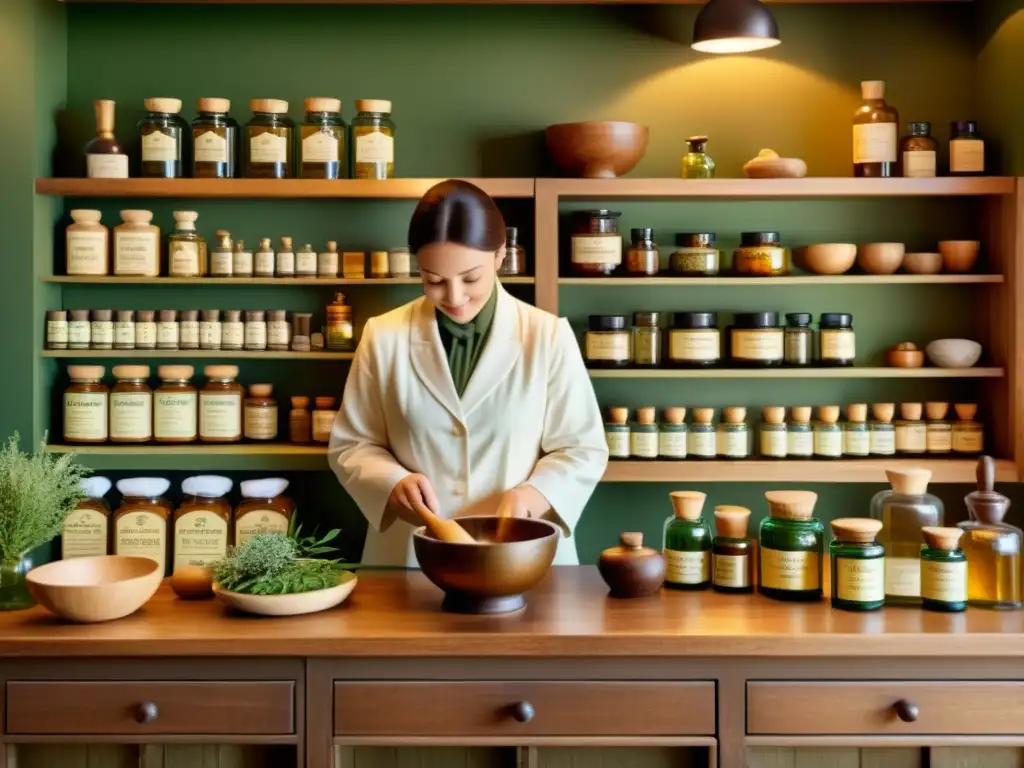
528, 414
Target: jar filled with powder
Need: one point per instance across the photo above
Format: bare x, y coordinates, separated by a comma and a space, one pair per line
646, 340
642, 258
761, 254
695, 255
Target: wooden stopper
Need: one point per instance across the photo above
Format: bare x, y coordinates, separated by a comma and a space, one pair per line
985, 472
286, 243
175, 371
221, 371
986, 504
86, 371
324, 403
163, 104
675, 415
631, 540
273, 106
185, 217
883, 411
801, 413
910, 482
910, 411
828, 413
373, 105
791, 505
857, 412
872, 89
146, 315
703, 415
732, 522
131, 371
773, 414
688, 504
104, 116
322, 104
618, 415
102, 315
645, 414
946, 539
261, 390
965, 411
136, 216
213, 105
332, 246
734, 414
856, 529
300, 402
86, 216
936, 411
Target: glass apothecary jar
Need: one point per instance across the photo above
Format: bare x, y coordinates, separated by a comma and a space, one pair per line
642, 258
373, 140
943, 571
616, 432
838, 341
697, 164
858, 565
688, 543
607, 342
856, 436
214, 140
918, 152
220, 405
966, 149
991, 545
512, 255
695, 255
86, 531
643, 435
162, 133
322, 147
175, 405
773, 432
792, 545
733, 552
828, 435
131, 405
269, 140
694, 340
86, 404
700, 440
798, 340
672, 434
756, 340
646, 339
596, 245
761, 254
733, 434
799, 433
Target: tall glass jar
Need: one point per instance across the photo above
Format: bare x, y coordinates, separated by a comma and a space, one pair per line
86, 531
943, 571
672, 434
687, 543
642, 258
792, 545
214, 140
131, 405
966, 149
911, 431
733, 434
858, 565
838, 342
512, 255
86, 404
269, 140
220, 405
968, 434
798, 340
175, 406
828, 435
856, 437
162, 133
881, 430
646, 340
322, 147
992, 546
373, 140
733, 552
643, 435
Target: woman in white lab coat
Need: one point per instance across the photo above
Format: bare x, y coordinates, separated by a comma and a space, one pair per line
466, 399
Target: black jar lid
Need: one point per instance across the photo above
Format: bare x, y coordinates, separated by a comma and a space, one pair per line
639, 234
695, 320
646, 319
607, 322
964, 126
798, 318
511, 235
695, 239
836, 320
598, 213
759, 238
921, 128
752, 320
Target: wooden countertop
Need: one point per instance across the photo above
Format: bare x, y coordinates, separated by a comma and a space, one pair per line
569, 614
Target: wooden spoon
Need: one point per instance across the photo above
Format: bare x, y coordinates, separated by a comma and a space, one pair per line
445, 530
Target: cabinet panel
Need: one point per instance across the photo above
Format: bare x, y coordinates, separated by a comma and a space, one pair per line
833, 757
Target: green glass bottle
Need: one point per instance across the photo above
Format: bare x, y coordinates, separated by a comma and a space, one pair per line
858, 565
792, 545
687, 543
732, 551
616, 431
643, 435
799, 436
697, 164
943, 571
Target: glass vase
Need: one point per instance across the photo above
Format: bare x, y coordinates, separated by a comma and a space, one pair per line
14, 594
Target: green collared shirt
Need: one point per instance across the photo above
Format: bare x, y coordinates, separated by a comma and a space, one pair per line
463, 342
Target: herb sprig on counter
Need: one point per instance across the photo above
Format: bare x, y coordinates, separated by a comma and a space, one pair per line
279, 564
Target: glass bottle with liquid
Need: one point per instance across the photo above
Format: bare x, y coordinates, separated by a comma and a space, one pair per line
799, 433
828, 435
643, 435
687, 543
339, 325
792, 545
672, 434
697, 163
700, 440
222, 256
186, 248
943, 571
773, 432
162, 133
732, 551
214, 140
269, 140
616, 431
911, 432
918, 152
968, 434
373, 140
991, 545
858, 565
881, 430
875, 131
856, 436
938, 431
733, 434
105, 157
322, 140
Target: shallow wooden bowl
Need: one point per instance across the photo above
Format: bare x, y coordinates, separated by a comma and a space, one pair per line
959, 255
922, 263
597, 150
91, 589
828, 258
775, 168
290, 605
904, 358
880, 258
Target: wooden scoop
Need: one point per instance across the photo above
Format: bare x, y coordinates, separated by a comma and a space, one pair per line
445, 530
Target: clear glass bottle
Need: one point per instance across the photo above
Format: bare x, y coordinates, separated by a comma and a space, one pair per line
688, 543
966, 149
856, 436
672, 434
646, 341
733, 434
882, 431
285, 261
903, 512
700, 442
828, 435
792, 544
943, 571
512, 255
222, 256
241, 260
642, 257
214, 140
162, 134
306, 262
938, 431
798, 340
269, 140
263, 259
186, 248
799, 433
911, 432
773, 440
732, 567
322, 134
697, 164
875, 130
373, 140
992, 546
858, 565
918, 152
105, 157
643, 435
616, 431
968, 434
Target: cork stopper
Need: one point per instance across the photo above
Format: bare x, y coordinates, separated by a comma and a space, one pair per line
213, 105
185, 220
324, 403
163, 104
791, 505
732, 522
910, 482
221, 371
136, 217
261, 390
332, 246
936, 411
645, 414
872, 89
86, 216
264, 243
631, 539
211, 315
773, 414
81, 315
703, 415
829, 414
861, 530
175, 372
373, 105
910, 411
800, 413
57, 315
322, 104
104, 116
675, 415
223, 239
126, 315
883, 411
168, 315
965, 411
255, 315
946, 539
985, 504
286, 243
734, 414
189, 315
86, 372
102, 315
857, 412
300, 402
277, 315
272, 106
618, 415
687, 505
239, 246
131, 371
232, 315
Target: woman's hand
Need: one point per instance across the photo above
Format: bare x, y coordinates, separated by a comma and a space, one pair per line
410, 490
523, 501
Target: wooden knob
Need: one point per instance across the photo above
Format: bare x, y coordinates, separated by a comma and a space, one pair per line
906, 711
523, 711
146, 712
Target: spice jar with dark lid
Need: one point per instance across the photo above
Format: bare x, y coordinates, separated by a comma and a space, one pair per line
102, 330
188, 329
642, 258
695, 255
761, 254
799, 339
694, 341
838, 346
57, 329
596, 243
167, 329
79, 329
513, 257
607, 342
646, 339
145, 329
301, 321
756, 340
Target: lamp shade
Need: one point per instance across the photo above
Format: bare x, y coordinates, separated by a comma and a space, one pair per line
734, 26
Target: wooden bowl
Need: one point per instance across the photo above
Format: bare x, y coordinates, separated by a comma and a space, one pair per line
904, 358
597, 150
922, 263
91, 589
828, 258
959, 255
775, 168
953, 353
290, 605
880, 258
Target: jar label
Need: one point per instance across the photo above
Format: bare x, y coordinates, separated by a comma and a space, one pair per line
701, 443
137, 253
87, 253
760, 260
860, 581
613, 345
643, 445
793, 571
124, 334
903, 576
966, 156
188, 333
731, 571
256, 521
85, 416
883, 442
221, 263
145, 334
687, 567
968, 440
856, 442
261, 423
874, 143
211, 148
672, 445
184, 260
774, 443
919, 164
79, 332
838, 345
939, 438
618, 444
57, 331
286, 263
267, 147
278, 333
264, 264
323, 421
200, 538
167, 334
327, 264
375, 147
733, 443
131, 415
232, 334
828, 442
256, 335
84, 534
597, 249
220, 415
757, 345
174, 415
911, 438
944, 582
158, 147
694, 345
106, 166
320, 147
241, 263
305, 263
102, 333
799, 442
143, 534
209, 334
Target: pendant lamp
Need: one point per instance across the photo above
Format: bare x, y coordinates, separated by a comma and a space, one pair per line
734, 26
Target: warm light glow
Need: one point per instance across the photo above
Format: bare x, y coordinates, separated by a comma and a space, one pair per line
735, 44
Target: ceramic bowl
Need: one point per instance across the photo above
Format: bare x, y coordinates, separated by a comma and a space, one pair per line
290, 605
597, 150
959, 255
829, 258
922, 263
904, 356
92, 589
880, 258
631, 569
775, 168
953, 353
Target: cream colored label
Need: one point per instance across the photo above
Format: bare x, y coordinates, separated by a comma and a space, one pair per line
220, 415
278, 333
85, 415
693, 345
687, 567
84, 534
174, 415
793, 571
375, 147
256, 335
860, 581
757, 345
232, 334
874, 143
257, 521
919, 164
828, 443
286, 263
221, 263
731, 571
305, 263
968, 441
327, 264
323, 421
856, 443
939, 439
268, 148
211, 148
944, 582
136, 253
102, 333
143, 534
672, 445
774, 443
911, 438
79, 332
903, 576
643, 445
608, 346
241, 262
184, 261
159, 147
883, 442
124, 334
732, 443
106, 166
838, 345
188, 333
588, 249
200, 538
87, 253
966, 156
320, 147
261, 423
264, 264
701, 443
618, 444
145, 334
131, 415
57, 331
799, 443
167, 334
209, 334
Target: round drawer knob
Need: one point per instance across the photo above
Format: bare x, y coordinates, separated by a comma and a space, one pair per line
523, 711
146, 712
906, 711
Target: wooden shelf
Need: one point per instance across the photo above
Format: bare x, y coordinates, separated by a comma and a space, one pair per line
599, 282
495, 2
276, 282
798, 373
195, 353
395, 189
198, 456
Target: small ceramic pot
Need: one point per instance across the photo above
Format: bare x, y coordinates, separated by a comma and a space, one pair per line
904, 355
631, 569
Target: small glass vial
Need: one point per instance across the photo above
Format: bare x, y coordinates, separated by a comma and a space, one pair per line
232, 330
646, 340
672, 434
327, 261
838, 342
616, 432
792, 545
858, 565
379, 265
733, 434
214, 140
186, 248
943, 571
263, 259
255, 334
145, 329
642, 258
400, 260
773, 439
300, 422
798, 340
136, 245
373, 138
828, 435
911, 432
86, 402
260, 418
700, 440
188, 329
124, 329
512, 255
856, 435
221, 257
968, 434
101, 332
88, 244
279, 330
938, 431
883, 433
301, 323
339, 325
322, 150
210, 332
918, 151
607, 342
353, 265
284, 264
323, 419
694, 340
697, 164
167, 329
57, 329
175, 405
241, 260
643, 435
220, 405
732, 567
162, 135
966, 149
269, 140
799, 433
79, 329
687, 543
306, 262
131, 405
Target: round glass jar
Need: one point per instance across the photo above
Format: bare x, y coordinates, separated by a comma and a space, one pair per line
918, 152
269, 140
694, 340
86, 401
263, 509
760, 254
858, 565
837, 339
642, 258
162, 133
373, 140
140, 522
202, 522
220, 406
596, 243
646, 340
695, 255
792, 544
799, 340
756, 340
322, 140
214, 140
607, 342
261, 413
131, 405
175, 405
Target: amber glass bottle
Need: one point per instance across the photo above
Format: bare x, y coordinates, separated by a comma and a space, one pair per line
86, 531
732, 551
162, 133
373, 140
263, 509
875, 128
214, 140
220, 406
201, 523
140, 523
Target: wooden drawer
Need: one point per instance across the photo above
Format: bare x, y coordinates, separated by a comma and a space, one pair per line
885, 708
517, 708
143, 707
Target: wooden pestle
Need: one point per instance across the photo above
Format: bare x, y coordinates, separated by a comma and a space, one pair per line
445, 530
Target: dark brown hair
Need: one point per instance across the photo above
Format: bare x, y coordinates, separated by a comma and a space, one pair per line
457, 212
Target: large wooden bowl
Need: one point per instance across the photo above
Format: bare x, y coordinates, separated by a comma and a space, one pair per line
91, 589
489, 576
597, 150
290, 605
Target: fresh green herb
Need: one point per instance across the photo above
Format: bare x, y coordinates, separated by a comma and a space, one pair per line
37, 492
279, 564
